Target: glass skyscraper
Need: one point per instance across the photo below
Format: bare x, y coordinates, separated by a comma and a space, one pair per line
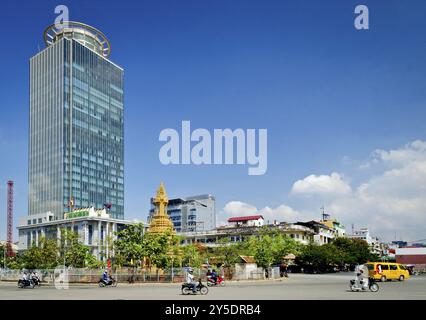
76, 145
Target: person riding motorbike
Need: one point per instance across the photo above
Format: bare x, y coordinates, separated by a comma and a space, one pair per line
35, 277
362, 277
190, 280
25, 276
214, 276
25, 279
105, 277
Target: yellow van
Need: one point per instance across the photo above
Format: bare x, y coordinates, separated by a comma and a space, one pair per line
387, 271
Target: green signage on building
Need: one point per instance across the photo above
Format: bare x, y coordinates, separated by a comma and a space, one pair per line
77, 214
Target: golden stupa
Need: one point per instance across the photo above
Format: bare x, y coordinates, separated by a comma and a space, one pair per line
160, 221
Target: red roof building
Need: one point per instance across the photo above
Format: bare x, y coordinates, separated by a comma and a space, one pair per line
248, 221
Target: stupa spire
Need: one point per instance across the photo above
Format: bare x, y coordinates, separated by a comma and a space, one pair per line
160, 222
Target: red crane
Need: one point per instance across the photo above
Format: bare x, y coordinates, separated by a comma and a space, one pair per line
9, 218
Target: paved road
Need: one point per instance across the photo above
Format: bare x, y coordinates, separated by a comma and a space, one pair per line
298, 286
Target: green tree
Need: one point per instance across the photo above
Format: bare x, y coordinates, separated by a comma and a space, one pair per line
128, 246
271, 246
43, 256
354, 251
76, 254
2, 254
158, 248
319, 258
191, 256
228, 252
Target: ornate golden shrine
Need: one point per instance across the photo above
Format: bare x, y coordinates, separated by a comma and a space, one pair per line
160, 221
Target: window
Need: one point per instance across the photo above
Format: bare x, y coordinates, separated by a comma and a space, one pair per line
402, 267
29, 222
90, 234
385, 267
393, 267
39, 220
28, 239
34, 221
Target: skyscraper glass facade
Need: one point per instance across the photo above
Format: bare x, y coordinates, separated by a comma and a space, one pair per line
76, 149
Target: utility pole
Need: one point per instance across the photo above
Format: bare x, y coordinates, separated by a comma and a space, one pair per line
9, 218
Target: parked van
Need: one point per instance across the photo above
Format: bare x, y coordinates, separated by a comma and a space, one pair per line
387, 271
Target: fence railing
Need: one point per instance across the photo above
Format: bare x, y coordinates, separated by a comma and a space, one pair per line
93, 275
138, 275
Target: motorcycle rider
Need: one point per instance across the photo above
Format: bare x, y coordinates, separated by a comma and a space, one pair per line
105, 277
362, 277
214, 276
25, 277
34, 277
190, 280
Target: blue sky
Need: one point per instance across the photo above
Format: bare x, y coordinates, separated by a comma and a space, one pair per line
328, 94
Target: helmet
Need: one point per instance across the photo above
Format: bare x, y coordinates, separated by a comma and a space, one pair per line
190, 270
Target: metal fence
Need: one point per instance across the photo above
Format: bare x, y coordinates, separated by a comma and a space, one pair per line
129, 275
94, 275
256, 274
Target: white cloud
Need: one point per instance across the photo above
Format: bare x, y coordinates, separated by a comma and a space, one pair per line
413, 151
322, 185
393, 200
390, 201
280, 213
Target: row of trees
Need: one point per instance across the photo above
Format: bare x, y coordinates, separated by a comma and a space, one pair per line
133, 247
50, 253
164, 250
340, 254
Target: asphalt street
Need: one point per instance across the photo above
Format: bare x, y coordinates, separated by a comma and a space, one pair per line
297, 286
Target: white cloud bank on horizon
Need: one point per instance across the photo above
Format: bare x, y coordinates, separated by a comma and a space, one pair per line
324, 184
280, 213
390, 202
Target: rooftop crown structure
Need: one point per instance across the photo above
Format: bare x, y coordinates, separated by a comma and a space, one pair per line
88, 36
160, 222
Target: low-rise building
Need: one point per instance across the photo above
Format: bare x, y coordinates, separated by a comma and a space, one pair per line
233, 233
334, 224
322, 233
95, 228
412, 256
246, 221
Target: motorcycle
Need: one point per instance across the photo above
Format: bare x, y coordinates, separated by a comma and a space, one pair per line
219, 281
26, 283
111, 282
284, 274
372, 285
36, 280
200, 288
